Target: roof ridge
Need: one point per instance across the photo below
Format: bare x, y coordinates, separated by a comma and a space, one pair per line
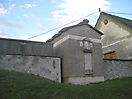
121, 19
116, 16
84, 22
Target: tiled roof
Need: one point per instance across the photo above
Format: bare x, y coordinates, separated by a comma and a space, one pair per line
84, 22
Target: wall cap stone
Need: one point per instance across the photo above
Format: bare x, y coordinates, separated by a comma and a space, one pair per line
57, 56
20, 40
117, 59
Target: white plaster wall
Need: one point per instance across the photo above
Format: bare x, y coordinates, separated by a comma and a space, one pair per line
113, 30
47, 67
112, 33
117, 37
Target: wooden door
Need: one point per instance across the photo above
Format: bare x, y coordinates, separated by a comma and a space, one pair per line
111, 55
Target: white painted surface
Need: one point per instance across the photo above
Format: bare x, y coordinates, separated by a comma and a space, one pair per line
113, 29
115, 43
85, 80
74, 37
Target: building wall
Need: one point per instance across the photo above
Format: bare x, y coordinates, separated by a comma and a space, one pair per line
63, 51
84, 31
69, 46
117, 37
117, 68
123, 49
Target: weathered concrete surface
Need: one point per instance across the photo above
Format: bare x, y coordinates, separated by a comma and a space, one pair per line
117, 39
113, 32
117, 68
117, 35
23, 47
83, 80
69, 45
74, 58
122, 48
47, 67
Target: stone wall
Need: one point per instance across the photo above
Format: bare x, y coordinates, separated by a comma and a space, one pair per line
47, 67
117, 68
30, 57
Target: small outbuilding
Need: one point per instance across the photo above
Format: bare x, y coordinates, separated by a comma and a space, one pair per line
81, 51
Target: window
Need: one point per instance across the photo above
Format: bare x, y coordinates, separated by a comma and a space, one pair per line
110, 55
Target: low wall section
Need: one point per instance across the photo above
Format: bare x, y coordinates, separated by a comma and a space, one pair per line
30, 57
47, 67
117, 68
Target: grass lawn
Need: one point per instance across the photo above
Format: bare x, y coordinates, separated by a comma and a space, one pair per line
15, 85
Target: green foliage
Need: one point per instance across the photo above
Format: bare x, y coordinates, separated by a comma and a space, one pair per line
15, 85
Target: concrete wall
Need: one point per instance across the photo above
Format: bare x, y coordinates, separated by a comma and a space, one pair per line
47, 67
117, 68
30, 57
83, 30
117, 37
69, 46
23, 47
122, 48
72, 52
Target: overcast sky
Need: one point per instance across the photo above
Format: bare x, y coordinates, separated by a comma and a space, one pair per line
22, 19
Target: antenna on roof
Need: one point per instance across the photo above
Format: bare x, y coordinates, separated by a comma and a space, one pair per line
99, 10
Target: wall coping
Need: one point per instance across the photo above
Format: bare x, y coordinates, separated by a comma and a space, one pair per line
35, 55
117, 59
20, 40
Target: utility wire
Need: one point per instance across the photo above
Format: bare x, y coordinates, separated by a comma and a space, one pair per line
119, 13
63, 25
77, 20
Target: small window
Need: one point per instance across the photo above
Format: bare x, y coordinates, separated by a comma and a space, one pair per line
110, 55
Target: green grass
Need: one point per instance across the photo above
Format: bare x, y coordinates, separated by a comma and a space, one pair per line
15, 85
